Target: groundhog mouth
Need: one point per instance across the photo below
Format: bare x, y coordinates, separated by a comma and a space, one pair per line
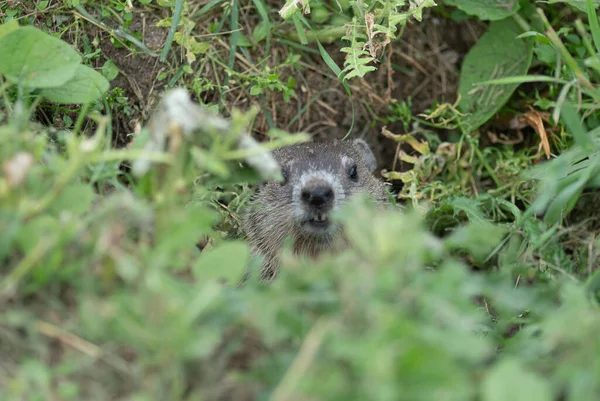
320, 220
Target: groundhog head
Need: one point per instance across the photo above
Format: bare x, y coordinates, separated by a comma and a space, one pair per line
318, 178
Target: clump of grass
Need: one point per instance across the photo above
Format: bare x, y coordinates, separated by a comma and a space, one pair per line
484, 286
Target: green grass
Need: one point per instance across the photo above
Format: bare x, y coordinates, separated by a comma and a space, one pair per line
482, 284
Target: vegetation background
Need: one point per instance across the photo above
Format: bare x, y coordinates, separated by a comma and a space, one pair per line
484, 116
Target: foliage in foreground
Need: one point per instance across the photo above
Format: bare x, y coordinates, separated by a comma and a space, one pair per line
108, 301
106, 297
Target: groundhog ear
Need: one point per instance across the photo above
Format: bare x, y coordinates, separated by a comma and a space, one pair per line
366, 153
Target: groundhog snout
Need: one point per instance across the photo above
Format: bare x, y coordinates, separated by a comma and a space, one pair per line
318, 195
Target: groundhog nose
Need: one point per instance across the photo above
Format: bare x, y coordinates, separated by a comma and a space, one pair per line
317, 196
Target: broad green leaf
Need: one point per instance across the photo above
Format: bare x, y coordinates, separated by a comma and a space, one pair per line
497, 54
244, 41
208, 161
255, 90
477, 238
76, 198
261, 30
471, 207
110, 70
29, 235
578, 4
87, 85
183, 229
40, 60
9, 27
510, 381
492, 10
225, 261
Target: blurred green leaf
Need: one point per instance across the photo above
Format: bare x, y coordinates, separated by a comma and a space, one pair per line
37, 58
477, 238
8, 27
86, 86
42, 226
487, 10
75, 198
510, 381
225, 261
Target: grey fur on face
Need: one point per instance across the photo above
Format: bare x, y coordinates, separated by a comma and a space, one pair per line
319, 177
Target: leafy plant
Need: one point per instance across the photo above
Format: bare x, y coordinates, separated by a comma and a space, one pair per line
374, 24
35, 60
499, 54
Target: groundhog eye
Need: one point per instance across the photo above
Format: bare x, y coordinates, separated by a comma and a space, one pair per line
353, 173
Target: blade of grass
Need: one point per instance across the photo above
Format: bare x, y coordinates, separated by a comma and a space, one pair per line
172, 29
575, 126
262, 9
561, 99
334, 67
235, 38
211, 4
519, 79
298, 25
119, 33
569, 60
593, 21
584, 38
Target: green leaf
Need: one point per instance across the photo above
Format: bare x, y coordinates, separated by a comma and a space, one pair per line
30, 234
564, 201
183, 229
261, 30
244, 41
262, 9
209, 162
578, 4
593, 21
86, 86
299, 29
479, 238
39, 59
510, 381
575, 126
497, 54
255, 90
492, 10
592, 62
110, 70
10, 223
76, 198
539, 36
8, 27
225, 261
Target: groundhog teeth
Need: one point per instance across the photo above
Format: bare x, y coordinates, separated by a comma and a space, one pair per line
320, 218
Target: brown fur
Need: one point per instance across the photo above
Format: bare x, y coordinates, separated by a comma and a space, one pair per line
270, 218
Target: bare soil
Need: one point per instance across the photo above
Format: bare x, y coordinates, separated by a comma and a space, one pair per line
423, 66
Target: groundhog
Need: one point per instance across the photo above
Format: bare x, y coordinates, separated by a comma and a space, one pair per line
319, 177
